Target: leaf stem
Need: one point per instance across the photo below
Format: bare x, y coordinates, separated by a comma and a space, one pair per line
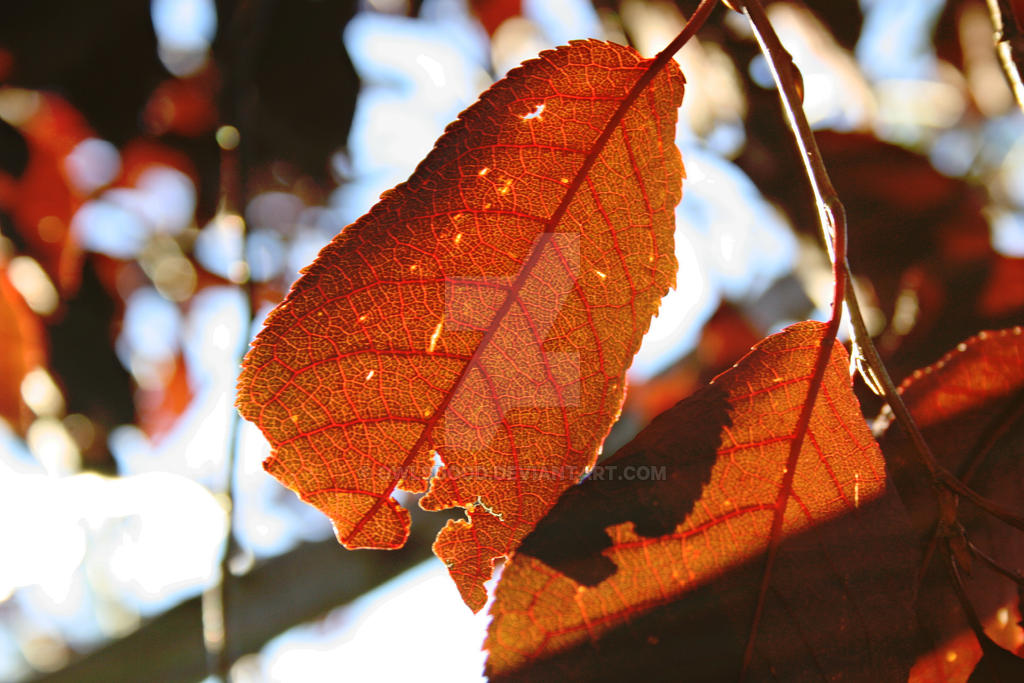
961, 595
693, 24
995, 509
833, 223
996, 429
832, 217
941, 477
247, 26
1014, 575
1009, 43
833, 220
880, 377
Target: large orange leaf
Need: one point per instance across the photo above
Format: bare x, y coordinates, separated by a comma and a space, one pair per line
970, 407
653, 566
482, 314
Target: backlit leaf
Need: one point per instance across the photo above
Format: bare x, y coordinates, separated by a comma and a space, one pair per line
482, 314
652, 567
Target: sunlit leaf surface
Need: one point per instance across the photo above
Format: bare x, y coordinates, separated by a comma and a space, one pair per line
481, 315
654, 564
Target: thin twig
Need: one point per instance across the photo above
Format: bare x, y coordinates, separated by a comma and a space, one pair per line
217, 599
832, 217
1009, 42
926, 560
991, 507
940, 475
993, 432
965, 601
1015, 575
245, 30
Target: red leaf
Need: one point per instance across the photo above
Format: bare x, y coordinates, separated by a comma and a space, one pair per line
183, 106
43, 200
1004, 291
141, 155
485, 312
494, 13
970, 407
639, 574
21, 350
160, 407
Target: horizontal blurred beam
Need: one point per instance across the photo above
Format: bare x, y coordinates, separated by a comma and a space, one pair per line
278, 594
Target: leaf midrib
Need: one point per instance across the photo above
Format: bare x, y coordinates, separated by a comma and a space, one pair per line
653, 68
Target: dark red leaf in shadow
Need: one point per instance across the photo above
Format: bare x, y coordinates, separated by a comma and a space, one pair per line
102, 56
298, 95
970, 407
652, 567
1004, 290
483, 313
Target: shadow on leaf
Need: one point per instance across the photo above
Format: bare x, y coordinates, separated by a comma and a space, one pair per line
668, 475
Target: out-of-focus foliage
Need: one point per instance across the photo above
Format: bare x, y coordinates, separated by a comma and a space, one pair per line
166, 169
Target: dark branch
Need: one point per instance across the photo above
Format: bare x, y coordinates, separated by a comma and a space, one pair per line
961, 595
